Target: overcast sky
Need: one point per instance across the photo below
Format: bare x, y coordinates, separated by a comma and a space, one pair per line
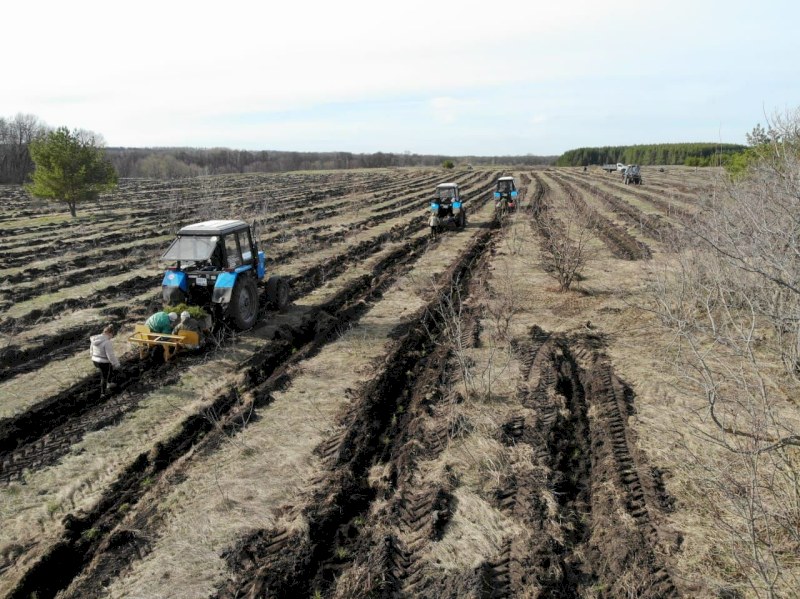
425, 76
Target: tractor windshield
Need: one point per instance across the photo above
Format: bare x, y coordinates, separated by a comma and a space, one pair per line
446, 193
190, 248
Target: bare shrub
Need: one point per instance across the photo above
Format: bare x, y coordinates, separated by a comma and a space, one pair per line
733, 306
455, 329
449, 312
505, 300
563, 246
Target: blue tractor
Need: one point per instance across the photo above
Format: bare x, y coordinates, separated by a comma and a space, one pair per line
447, 209
505, 195
217, 265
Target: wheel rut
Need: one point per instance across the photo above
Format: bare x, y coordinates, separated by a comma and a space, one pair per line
265, 371
343, 493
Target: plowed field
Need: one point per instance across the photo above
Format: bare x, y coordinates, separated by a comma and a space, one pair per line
430, 417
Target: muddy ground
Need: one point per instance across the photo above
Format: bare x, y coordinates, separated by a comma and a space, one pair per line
417, 423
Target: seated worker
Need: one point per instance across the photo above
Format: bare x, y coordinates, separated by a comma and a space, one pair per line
188, 323
161, 322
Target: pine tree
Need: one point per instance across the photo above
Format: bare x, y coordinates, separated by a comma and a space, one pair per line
70, 168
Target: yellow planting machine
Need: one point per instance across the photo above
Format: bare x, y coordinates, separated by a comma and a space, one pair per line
172, 344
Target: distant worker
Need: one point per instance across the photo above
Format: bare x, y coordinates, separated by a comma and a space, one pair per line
188, 323
103, 357
161, 322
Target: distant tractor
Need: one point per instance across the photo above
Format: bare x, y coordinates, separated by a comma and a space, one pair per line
447, 210
632, 175
218, 266
505, 195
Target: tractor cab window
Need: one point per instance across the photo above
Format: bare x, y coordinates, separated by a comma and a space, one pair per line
505, 186
190, 248
447, 193
232, 253
216, 256
246, 246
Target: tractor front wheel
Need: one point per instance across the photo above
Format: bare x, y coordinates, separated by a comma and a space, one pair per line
173, 296
243, 309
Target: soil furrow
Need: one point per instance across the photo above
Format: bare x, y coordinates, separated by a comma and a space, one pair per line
21, 442
319, 325
344, 493
621, 244
652, 225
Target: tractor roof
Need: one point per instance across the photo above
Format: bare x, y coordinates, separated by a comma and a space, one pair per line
506, 179
447, 185
213, 227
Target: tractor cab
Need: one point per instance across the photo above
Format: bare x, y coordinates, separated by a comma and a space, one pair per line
632, 174
505, 194
217, 264
447, 208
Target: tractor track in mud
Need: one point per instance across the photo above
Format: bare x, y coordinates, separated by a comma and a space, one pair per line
40, 438
574, 418
75, 550
276, 562
544, 220
601, 536
619, 242
35, 437
50, 347
575, 456
573, 412
537, 205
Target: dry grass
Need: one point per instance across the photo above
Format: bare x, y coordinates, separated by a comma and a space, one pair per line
25, 390
608, 300
267, 468
86, 290
262, 476
32, 512
476, 531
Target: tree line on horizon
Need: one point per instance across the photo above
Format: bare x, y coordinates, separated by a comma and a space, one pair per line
16, 164
688, 154
172, 163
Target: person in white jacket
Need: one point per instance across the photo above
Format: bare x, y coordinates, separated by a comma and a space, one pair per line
103, 356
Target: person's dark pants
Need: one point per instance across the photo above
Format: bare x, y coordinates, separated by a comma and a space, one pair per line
105, 375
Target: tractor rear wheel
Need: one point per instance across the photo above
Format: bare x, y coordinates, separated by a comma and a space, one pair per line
243, 309
277, 293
